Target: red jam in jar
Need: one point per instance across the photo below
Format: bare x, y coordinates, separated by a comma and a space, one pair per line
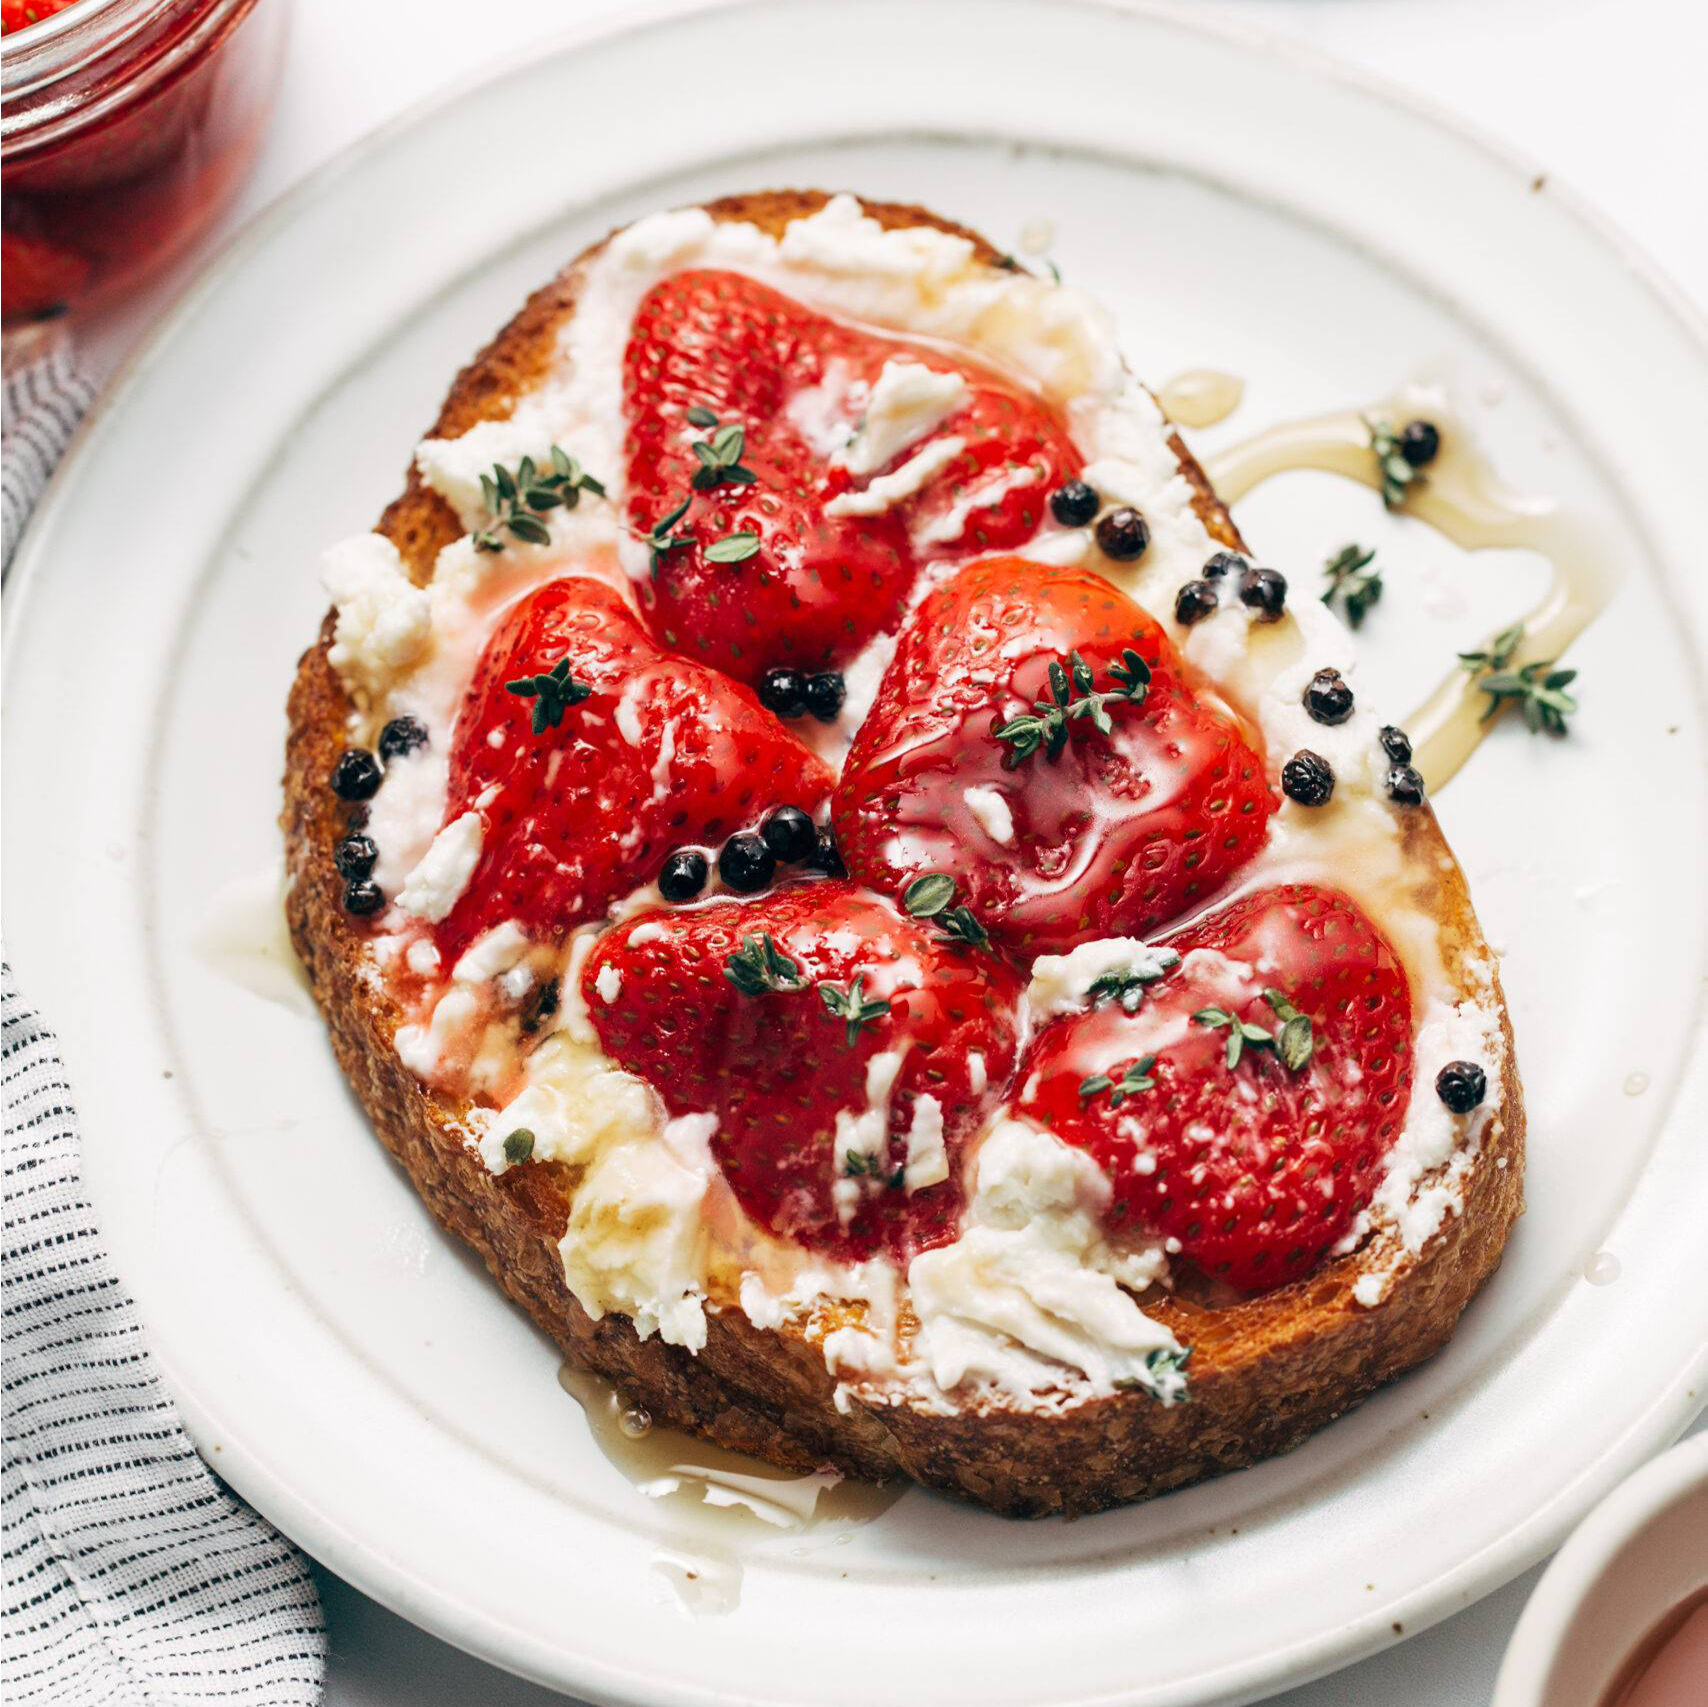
127, 125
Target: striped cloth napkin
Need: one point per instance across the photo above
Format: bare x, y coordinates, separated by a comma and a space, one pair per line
132, 1575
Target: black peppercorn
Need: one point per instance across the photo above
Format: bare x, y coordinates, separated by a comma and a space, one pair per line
1396, 743
1224, 563
402, 735
1194, 601
1123, 534
745, 863
354, 857
826, 856
1327, 698
790, 834
825, 693
1074, 504
1404, 785
684, 875
1461, 1085
363, 898
783, 691
1265, 591
1419, 441
1308, 778
357, 774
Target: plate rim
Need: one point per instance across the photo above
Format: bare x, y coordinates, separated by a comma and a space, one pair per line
393, 1583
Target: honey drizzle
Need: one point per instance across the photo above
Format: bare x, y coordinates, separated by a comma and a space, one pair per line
1200, 397
1462, 497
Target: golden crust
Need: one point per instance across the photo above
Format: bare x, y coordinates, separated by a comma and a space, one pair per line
1265, 1372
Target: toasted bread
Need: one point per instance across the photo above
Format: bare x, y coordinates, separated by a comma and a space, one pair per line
1266, 1371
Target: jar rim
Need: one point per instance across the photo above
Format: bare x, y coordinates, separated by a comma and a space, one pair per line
50, 46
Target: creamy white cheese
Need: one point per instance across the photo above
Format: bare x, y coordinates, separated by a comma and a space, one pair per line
383, 622
991, 812
912, 477
436, 885
1061, 983
908, 402
1023, 1301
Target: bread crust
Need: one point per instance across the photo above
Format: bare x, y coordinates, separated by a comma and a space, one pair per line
1266, 1372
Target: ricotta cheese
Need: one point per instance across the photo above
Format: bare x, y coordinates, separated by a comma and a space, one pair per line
435, 886
383, 622
909, 402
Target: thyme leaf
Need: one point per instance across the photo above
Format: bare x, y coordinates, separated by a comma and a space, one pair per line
553, 692
1073, 695
1398, 475
1134, 1079
1353, 582
759, 965
517, 500
852, 1006
929, 897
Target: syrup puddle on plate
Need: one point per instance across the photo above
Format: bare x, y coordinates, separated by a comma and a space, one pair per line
1462, 497
718, 1502
243, 936
1200, 397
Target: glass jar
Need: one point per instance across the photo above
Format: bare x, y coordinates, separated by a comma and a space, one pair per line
126, 126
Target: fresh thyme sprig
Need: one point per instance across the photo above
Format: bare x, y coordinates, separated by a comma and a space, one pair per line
929, 897
1499, 653
518, 501
1126, 984
660, 541
1072, 694
1136, 1078
1353, 582
1538, 688
720, 455
1293, 1044
553, 692
1398, 475
852, 1006
759, 965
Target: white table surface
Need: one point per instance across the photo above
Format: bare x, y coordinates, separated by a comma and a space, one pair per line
1602, 94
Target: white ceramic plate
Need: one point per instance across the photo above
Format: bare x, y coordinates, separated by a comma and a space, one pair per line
351, 1371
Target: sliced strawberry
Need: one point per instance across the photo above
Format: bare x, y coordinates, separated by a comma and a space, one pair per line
785, 1016
37, 277
1257, 1167
581, 810
793, 384
1114, 816
20, 14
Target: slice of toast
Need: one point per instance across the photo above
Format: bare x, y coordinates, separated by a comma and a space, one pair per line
1265, 1371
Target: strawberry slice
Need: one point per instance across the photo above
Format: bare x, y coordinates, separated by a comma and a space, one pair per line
753, 572
1245, 1103
848, 1053
1033, 738
607, 755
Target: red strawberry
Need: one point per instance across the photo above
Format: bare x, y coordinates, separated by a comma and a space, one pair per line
783, 1016
37, 277
660, 752
1117, 829
1259, 1167
785, 385
20, 14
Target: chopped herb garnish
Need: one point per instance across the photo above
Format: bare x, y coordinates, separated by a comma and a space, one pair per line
518, 501
1539, 690
929, 897
1353, 582
518, 1145
1294, 1042
733, 547
660, 541
852, 1007
1135, 1079
720, 455
1072, 695
1165, 1375
1126, 984
760, 965
553, 691
1499, 653
1398, 475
